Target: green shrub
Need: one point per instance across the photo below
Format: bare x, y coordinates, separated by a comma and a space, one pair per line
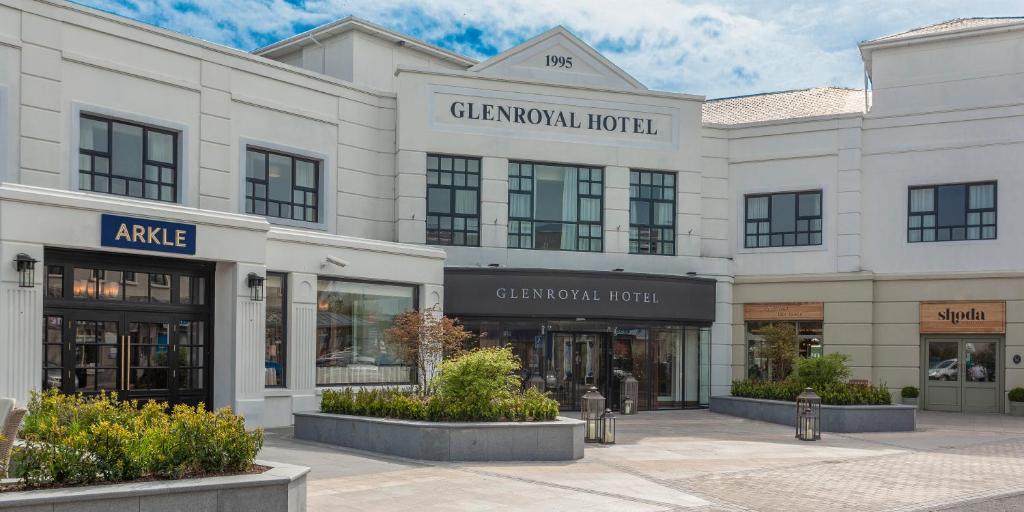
481, 385
818, 372
1016, 395
70, 439
839, 393
909, 392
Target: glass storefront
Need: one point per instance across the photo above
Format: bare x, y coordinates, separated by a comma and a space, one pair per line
811, 339
351, 345
670, 362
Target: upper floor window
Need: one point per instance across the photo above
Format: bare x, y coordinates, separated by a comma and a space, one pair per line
652, 212
127, 159
960, 211
453, 200
783, 220
281, 185
555, 207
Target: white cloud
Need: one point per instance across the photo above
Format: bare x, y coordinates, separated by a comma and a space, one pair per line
716, 49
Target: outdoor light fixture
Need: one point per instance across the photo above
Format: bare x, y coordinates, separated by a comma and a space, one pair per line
591, 406
607, 427
628, 389
808, 416
255, 286
26, 266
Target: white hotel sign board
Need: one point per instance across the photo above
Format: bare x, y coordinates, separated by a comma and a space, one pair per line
558, 118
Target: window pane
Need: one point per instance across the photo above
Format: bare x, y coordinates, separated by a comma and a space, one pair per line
127, 150
757, 207
590, 210
922, 200
439, 200
952, 205
350, 346
160, 147
553, 199
280, 177
783, 213
255, 165
305, 174
465, 201
92, 134
519, 205
276, 330
983, 196
810, 205
663, 214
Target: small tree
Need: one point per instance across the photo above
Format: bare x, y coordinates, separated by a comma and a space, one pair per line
779, 348
425, 337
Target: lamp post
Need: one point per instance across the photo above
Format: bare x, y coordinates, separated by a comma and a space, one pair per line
591, 406
808, 416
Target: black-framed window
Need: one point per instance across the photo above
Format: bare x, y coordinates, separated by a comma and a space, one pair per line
783, 219
956, 211
276, 351
555, 207
652, 212
127, 159
282, 185
453, 200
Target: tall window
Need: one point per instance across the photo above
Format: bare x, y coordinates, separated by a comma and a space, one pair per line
555, 207
810, 334
453, 200
127, 159
652, 212
960, 211
783, 220
351, 344
282, 186
276, 330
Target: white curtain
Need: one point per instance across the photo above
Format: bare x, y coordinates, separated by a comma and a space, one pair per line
569, 214
757, 208
922, 200
981, 196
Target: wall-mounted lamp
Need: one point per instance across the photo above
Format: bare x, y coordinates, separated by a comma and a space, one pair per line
255, 282
26, 266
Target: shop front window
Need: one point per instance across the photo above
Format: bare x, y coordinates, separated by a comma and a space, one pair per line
276, 330
555, 207
810, 335
352, 347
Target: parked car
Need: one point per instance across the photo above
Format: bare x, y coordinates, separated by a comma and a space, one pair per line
946, 370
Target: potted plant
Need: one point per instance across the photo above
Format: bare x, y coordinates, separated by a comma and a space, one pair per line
1016, 396
909, 395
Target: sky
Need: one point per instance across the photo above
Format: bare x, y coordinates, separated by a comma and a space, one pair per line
717, 49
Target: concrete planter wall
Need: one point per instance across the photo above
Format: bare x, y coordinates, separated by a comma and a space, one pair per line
1016, 408
834, 418
561, 439
281, 489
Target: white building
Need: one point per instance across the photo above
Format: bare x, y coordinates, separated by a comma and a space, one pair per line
544, 196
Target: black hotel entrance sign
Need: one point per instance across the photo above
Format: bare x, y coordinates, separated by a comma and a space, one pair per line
147, 234
577, 294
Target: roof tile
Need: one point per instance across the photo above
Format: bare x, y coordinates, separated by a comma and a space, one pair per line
774, 106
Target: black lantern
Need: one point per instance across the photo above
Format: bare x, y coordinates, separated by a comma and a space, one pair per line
607, 427
255, 286
591, 406
629, 389
26, 266
808, 416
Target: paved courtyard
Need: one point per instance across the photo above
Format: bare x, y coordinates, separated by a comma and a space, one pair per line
696, 461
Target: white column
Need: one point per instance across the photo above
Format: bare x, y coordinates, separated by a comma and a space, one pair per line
494, 202
616, 210
721, 339
411, 197
848, 197
302, 310
21, 313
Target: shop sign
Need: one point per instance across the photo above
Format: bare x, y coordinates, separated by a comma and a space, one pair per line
147, 234
578, 294
784, 311
978, 317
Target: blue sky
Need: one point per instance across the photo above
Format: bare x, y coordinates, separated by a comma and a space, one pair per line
717, 49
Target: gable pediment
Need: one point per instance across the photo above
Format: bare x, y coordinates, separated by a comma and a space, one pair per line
560, 57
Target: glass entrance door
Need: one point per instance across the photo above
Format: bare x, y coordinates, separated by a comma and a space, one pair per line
577, 363
962, 375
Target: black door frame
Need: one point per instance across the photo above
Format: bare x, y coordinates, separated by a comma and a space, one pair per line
602, 380
123, 312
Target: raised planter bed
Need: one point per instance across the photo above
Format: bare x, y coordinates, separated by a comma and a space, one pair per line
280, 489
561, 439
834, 418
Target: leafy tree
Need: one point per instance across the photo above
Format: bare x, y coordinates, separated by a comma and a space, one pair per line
426, 337
779, 348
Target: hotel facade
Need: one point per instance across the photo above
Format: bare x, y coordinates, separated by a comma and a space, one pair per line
188, 222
